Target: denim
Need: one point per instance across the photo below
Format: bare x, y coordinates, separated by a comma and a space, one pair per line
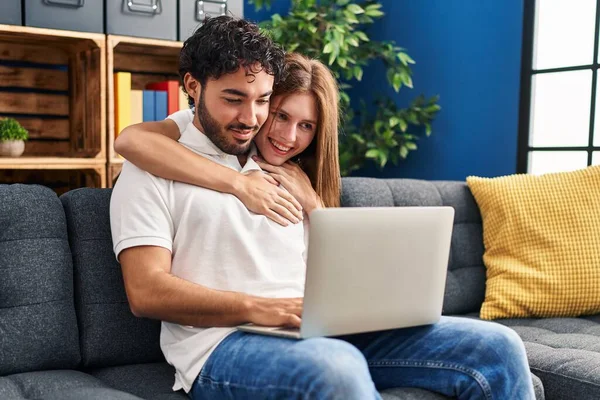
457, 357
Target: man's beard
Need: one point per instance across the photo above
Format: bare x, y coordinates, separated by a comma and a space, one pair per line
218, 134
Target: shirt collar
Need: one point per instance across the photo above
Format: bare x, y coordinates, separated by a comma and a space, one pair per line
192, 138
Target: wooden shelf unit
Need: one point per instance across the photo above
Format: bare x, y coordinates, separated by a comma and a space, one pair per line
59, 85
148, 60
54, 83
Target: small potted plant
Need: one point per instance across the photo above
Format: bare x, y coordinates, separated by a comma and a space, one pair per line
12, 138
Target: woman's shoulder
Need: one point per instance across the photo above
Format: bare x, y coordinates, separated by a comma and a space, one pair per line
182, 118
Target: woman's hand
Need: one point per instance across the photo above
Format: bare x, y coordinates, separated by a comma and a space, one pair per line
261, 194
295, 181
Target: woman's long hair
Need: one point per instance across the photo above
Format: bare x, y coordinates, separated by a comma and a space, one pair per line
320, 160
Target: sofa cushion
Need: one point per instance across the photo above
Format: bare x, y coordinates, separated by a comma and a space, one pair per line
90, 394
38, 328
110, 333
563, 352
151, 381
465, 283
57, 384
154, 382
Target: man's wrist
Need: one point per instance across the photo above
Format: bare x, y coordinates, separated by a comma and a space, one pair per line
246, 305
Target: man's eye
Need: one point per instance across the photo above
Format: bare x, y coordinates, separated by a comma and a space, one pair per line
263, 101
233, 101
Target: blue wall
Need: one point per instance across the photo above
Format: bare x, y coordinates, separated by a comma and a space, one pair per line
468, 52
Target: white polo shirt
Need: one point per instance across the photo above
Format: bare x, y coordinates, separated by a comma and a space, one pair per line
215, 241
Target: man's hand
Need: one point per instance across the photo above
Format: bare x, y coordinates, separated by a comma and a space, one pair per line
274, 312
261, 194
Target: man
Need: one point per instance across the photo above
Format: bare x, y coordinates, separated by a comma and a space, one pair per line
199, 261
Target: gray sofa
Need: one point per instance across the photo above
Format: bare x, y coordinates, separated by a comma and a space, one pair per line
66, 331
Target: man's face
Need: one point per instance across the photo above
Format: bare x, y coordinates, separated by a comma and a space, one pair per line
231, 109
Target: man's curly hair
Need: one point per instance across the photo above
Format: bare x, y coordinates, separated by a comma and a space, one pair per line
224, 44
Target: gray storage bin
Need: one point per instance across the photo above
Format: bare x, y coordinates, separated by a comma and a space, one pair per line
193, 12
143, 18
10, 12
73, 15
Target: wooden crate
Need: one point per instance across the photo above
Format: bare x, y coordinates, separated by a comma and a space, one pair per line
148, 60
112, 173
54, 83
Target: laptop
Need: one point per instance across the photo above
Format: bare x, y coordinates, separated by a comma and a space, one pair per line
372, 269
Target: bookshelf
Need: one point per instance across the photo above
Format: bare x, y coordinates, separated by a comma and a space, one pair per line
59, 85
54, 83
148, 60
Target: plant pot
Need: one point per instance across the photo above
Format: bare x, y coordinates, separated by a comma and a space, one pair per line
11, 148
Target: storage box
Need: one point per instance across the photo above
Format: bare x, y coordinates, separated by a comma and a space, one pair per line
54, 84
142, 18
193, 12
10, 12
73, 15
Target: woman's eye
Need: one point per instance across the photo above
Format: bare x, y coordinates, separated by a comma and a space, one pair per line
308, 127
281, 117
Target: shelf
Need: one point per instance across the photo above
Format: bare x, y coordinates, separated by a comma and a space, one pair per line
116, 161
27, 32
59, 173
137, 42
50, 163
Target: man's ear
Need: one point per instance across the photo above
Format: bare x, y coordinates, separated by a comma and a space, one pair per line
192, 87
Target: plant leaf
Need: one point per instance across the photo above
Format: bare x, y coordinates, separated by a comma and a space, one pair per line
374, 13
405, 59
352, 41
403, 125
362, 36
397, 82
403, 152
355, 9
372, 153
331, 58
358, 73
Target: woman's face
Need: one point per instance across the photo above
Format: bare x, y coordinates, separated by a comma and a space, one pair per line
289, 129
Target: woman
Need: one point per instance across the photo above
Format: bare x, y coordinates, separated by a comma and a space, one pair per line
298, 145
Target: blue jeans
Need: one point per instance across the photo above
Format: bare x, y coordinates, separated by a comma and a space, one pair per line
457, 357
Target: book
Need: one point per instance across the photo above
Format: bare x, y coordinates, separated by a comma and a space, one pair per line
183, 100
122, 86
137, 106
160, 105
171, 87
148, 111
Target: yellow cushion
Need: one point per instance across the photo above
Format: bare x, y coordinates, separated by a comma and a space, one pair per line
542, 243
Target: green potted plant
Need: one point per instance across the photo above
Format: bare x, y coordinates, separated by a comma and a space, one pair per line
12, 137
334, 31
